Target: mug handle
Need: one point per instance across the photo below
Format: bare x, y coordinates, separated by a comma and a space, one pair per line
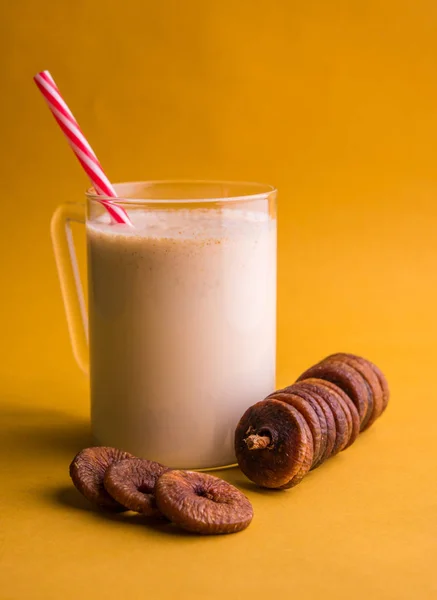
69, 277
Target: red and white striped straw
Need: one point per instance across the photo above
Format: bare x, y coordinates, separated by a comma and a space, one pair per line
83, 151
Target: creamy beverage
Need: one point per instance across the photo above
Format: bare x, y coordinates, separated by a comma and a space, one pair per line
182, 312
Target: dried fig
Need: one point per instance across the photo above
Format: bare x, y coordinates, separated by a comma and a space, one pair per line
327, 438
310, 416
369, 373
331, 398
349, 409
348, 379
331, 432
88, 469
132, 483
336, 392
271, 443
202, 503
383, 383
306, 465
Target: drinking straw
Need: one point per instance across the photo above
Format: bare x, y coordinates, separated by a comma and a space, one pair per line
80, 146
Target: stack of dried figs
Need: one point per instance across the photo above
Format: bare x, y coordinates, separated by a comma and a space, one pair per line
118, 481
279, 439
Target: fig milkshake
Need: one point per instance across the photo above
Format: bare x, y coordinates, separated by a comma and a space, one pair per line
182, 315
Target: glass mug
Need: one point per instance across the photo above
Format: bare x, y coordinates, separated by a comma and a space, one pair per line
182, 314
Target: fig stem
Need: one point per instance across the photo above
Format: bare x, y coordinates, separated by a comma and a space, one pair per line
257, 442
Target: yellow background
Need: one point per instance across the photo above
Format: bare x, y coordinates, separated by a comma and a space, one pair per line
334, 102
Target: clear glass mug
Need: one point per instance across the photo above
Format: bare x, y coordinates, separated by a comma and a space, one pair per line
182, 314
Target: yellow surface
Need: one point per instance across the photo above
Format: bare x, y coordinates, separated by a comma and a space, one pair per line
335, 103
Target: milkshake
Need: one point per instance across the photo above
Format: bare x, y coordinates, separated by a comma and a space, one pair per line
182, 315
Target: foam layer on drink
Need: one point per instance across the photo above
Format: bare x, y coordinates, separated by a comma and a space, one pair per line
185, 224
182, 330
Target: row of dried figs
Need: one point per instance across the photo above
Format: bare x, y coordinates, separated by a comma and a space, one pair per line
279, 439
117, 481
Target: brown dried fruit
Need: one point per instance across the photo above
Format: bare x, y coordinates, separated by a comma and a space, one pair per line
371, 375
383, 383
271, 443
328, 406
132, 483
88, 469
202, 503
370, 399
306, 465
317, 400
343, 431
327, 438
348, 379
308, 413
349, 409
